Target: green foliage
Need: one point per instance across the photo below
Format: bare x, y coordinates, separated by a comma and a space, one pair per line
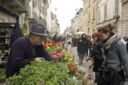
54, 48
38, 73
24, 30
43, 73
2, 74
58, 49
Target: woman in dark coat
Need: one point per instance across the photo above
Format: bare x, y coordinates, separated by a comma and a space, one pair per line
96, 54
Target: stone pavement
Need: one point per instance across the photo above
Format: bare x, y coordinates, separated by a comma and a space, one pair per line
85, 64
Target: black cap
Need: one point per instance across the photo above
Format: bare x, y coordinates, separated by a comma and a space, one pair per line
38, 29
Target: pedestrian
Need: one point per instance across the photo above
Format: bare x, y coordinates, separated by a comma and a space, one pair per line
90, 43
115, 63
96, 54
69, 42
55, 38
82, 48
27, 49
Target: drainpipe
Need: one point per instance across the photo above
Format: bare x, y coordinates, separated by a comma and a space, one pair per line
122, 22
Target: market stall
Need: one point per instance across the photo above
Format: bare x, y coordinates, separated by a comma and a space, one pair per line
60, 71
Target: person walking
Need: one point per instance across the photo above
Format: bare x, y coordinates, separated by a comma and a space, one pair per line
82, 48
69, 42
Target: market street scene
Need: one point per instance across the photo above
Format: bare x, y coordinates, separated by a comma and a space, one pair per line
63, 42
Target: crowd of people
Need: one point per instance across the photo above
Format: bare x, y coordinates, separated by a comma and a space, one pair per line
108, 53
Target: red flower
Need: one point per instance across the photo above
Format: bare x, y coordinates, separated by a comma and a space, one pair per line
72, 68
79, 72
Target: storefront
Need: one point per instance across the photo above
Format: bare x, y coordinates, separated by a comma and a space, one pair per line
9, 26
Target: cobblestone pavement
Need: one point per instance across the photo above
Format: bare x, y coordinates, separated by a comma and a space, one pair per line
85, 64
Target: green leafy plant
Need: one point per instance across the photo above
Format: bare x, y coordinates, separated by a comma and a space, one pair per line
24, 29
43, 73
2, 75
40, 73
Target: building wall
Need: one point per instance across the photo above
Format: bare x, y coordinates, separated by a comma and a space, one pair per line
125, 18
80, 20
90, 15
110, 12
113, 12
85, 15
49, 17
54, 25
39, 12
77, 23
120, 21
93, 14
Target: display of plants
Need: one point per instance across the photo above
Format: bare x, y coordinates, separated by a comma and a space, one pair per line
60, 71
51, 44
42, 73
58, 53
2, 75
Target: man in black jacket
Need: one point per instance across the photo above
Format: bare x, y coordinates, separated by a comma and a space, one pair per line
26, 49
82, 48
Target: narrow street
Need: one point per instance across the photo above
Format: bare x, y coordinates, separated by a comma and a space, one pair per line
49, 32
85, 64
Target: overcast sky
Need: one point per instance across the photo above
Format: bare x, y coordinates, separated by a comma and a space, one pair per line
65, 11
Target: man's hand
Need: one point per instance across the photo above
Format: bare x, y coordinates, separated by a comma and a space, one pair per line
38, 59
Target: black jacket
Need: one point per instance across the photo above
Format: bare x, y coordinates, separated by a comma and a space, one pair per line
83, 46
96, 54
21, 54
